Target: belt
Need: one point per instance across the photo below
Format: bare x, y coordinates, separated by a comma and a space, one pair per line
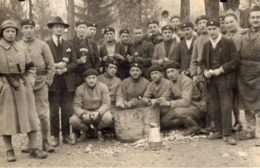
40, 73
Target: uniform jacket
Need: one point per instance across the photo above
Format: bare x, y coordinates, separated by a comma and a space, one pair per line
69, 76
156, 90
229, 60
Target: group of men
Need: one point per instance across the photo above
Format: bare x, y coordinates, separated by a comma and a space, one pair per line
192, 79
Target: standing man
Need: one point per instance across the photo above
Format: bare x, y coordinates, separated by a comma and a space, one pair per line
164, 51
86, 51
125, 41
154, 35
175, 20
184, 49
61, 91
218, 63
249, 79
223, 28
42, 59
179, 32
91, 31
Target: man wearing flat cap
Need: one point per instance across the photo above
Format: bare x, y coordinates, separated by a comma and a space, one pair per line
221, 20
179, 32
218, 65
164, 51
91, 30
125, 40
184, 49
42, 59
91, 106
113, 50
62, 89
86, 51
181, 103
154, 35
174, 21
132, 88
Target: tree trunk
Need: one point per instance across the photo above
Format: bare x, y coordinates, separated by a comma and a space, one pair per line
71, 16
139, 21
185, 10
30, 10
212, 8
231, 5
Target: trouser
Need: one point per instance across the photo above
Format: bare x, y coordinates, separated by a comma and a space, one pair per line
221, 104
60, 99
235, 106
253, 121
103, 121
42, 107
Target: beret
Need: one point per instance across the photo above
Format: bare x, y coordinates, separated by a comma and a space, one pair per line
221, 18
123, 31
175, 17
90, 72
202, 17
230, 14
167, 27
108, 29
187, 24
155, 68
27, 22
81, 22
136, 64
92, 25
112, 61
213, 22
172, 64
153, 22
254, 9
179, 26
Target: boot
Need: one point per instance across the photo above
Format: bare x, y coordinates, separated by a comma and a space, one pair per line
82, 136
26, 149
100, 136
56, 141
193, 127
37, 153
46, 146
230, 140
68, 140
237, 127
10, 156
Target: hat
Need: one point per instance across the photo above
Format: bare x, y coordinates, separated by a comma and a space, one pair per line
136, 64
230, 14
187, 24
111, 61
90, 72
177, 17
8, 24
172, 64
254, 9
153, 22
221, 18
81, 22
108, 29
57, 20
123, 31
92, 25
167, 27
27, 22
202, 17
179, 26
155, 68
213, 22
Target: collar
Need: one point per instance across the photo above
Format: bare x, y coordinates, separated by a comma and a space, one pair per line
189, 39
81, 38
214, 42
26, 40
55, 39
159, 81
168, 41
111, 43
7, 45
91, 87
136, 80
108, 76
254, 30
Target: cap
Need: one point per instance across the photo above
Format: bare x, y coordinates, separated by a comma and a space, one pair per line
179, 26
92, 25
155, 68
8, 24
221, 18
187, 24
90, 72
202, 17
167, 27
172, 64
175, 17
213, 22
136, 64
123, 31
153, 22
111, 61
81, 22
27, 22
108, 29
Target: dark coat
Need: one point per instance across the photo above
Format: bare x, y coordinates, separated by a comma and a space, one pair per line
69, 76
229, 60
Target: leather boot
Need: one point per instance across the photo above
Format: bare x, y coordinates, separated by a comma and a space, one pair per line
46, 146
56, 141
193, 127
26, 149
10, 156
100, 136
37, 153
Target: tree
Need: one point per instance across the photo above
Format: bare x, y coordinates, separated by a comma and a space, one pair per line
30, 9
212, 8
71, 16
185, 10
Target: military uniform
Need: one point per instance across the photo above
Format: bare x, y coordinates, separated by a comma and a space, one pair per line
156, 89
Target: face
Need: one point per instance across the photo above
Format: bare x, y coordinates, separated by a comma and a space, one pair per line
230, 23
91, 32
91, 80
110, 36
58, 29
138, 34
167, 35
153, 28
254, 19
179, 33
175, 22
202, 26
156, 75
124, 38
172, 73
81, 30
188, 32
213, 32
222, 26
9, 34
28, 31
135, 72
111, 69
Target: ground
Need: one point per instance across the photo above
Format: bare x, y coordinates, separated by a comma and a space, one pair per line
177, 151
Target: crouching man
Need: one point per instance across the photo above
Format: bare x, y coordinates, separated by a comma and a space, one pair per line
181, 104
91, 106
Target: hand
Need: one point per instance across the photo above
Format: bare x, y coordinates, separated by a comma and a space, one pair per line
195, 79
163, 102
166, 59
217, 72
118, 56
160, 61
82, 60
133, 102
207, 74
60, 65
160, 38
59, 71
105, 58
65, 59
130, 58
86, 117
144, 100
187, 72
94, 115
120, 105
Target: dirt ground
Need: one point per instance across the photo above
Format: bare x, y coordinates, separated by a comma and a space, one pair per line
176, 152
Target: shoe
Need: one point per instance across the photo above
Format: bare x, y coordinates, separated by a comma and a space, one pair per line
10, 156
243, 135
46, 146
37, 153
68, 140
82, 137
191, 131
215, 135
100, 136
26, 149
74, 138
237, 127
205, 130
230, 140
56, 142
257, 144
